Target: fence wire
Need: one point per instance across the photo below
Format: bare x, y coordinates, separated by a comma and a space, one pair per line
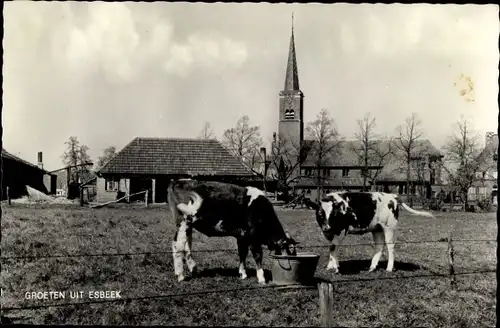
241, 289
35, 257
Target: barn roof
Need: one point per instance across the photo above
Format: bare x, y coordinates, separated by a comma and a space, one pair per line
329, 182
7, 155
171, 156
346, 154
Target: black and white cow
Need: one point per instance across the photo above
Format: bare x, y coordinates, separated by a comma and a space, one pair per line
220, 210
342, 213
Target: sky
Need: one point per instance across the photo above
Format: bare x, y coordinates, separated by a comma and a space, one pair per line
110, 72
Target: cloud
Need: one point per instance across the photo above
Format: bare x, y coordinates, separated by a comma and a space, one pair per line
391, 30
119, 40
206, 50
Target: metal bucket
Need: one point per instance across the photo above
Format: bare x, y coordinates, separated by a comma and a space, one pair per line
294, 269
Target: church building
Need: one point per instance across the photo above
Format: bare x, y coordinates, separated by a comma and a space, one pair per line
342, 170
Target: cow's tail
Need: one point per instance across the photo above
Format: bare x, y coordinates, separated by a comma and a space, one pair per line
420, 213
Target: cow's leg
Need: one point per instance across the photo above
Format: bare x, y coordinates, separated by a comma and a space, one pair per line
257, 256
191, 264
178, 249
378, 238
332, 261
243, 253
390, 239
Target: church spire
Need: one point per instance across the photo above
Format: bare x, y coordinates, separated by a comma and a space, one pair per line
292, 76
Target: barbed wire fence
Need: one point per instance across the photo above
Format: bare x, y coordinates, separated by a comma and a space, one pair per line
325, 288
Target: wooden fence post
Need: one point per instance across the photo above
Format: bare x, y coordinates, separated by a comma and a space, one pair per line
8, 195
451, 256
326, 304
146, 198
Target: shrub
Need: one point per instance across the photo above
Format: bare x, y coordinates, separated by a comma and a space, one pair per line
485, 204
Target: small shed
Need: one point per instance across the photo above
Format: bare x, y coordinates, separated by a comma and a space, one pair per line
150, 164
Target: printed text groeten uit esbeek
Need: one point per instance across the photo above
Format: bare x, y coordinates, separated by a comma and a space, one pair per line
108, 294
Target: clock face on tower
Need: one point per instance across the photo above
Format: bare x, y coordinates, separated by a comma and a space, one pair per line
289, 101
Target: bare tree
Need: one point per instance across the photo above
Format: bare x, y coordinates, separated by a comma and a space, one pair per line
462, 159
372, 150
107, 155
206, 132
420, 166
75, 156
244, 141
285, 159
407, 143
325, 141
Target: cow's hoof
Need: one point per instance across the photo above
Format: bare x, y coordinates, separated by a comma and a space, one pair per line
371, 269
389, 270
180, 278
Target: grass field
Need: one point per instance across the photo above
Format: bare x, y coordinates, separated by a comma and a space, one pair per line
423, 302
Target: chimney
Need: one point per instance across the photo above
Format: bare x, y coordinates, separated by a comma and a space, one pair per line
40, 160
489, 138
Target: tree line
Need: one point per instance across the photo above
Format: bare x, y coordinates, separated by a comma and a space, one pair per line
461, 153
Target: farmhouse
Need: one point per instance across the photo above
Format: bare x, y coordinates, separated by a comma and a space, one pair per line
150, 164
18, 173
486, 184
342, 168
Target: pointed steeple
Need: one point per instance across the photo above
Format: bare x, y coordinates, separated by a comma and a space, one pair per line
292, 76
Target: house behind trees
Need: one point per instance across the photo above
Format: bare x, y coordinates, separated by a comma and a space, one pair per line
486, 184
344, 171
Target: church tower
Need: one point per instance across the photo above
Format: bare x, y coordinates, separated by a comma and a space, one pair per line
291, 103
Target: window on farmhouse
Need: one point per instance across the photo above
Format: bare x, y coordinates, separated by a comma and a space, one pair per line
345, 173
111, 185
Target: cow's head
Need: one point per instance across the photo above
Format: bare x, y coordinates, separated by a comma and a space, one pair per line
191, 208
332, 209
285, 245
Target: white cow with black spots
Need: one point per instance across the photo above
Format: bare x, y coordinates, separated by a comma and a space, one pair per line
342, 213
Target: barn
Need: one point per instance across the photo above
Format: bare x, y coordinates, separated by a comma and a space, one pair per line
150, 164
18, 173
